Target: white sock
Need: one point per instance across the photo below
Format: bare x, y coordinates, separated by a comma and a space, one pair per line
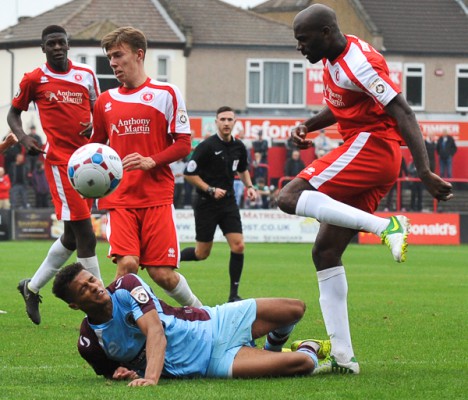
56, 257
333, 289
183, 294
92, 265
322, 207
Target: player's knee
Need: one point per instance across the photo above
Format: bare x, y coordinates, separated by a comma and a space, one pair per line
286, 201
307, 366
299, 309
238, 247
302, 364
202, 254
127, 265
164, 277
325, 257
86, 245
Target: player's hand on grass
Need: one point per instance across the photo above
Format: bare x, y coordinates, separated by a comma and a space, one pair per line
135, 161
298, 135
142, 382
122, 373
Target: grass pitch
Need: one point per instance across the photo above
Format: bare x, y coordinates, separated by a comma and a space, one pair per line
408, 321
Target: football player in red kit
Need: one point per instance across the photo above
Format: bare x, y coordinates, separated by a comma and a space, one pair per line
343, 188
64, 92
146, 122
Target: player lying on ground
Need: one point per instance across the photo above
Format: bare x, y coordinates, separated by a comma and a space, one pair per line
128, 333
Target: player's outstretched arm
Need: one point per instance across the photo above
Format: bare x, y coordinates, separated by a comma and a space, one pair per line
152, 328
399, 109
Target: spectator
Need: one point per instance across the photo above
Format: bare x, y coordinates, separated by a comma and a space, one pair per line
261, 146
247, 143
446, 148
294, 165
416, 189
18, 173
389, 202
177, 168
274, 197
10, 152
32, 159
323, 144
431, 146
263, 194
239, 189
5, 186
40, 186
290, 147
259, 169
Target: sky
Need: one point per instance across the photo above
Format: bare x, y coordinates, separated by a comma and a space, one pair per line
12, 9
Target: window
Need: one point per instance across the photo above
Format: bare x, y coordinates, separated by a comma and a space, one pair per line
162, 73
275, 83
414, 85
105, 74
462, 88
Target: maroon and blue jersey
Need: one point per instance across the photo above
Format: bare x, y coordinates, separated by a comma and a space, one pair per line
119, 342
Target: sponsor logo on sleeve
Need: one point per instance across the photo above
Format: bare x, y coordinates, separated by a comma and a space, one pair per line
182, 116
378, 86
140, 295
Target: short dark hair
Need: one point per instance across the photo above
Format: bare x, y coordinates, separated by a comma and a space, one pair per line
52, 29
223, 109
64, 277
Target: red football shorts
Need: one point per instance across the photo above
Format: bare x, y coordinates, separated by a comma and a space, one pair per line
360, 172
68, 203
148, 233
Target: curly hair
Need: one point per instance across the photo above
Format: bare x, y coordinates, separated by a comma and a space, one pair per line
63, 279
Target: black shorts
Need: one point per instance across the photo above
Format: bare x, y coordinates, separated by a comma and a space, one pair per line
210, 213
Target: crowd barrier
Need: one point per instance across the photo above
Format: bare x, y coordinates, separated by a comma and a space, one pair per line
258, 225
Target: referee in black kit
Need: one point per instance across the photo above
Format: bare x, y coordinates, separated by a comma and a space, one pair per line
211, 170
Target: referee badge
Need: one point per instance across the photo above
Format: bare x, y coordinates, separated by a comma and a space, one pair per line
140, 295
191, 166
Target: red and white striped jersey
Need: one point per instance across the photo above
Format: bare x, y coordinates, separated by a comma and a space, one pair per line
141, 120
357, 87
64, 100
